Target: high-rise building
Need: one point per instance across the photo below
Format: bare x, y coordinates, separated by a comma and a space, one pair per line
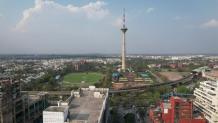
11, 103
6, 110
123, 54
17, 107
207, 99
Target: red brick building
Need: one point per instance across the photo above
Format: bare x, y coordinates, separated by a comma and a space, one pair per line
175, 110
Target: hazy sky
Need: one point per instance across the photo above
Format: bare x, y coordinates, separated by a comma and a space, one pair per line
90, 26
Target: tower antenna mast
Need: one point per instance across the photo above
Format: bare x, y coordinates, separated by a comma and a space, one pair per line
124, 18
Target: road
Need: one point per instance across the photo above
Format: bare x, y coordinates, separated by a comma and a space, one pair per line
48, 92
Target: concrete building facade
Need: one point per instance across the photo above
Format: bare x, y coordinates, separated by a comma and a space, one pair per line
207, 100
6, 110
18, 107
55, 114
123, 46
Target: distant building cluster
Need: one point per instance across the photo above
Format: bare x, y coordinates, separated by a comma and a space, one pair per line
29, 69
33, 69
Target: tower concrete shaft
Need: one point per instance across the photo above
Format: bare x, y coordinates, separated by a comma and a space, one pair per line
124, 49
123, 54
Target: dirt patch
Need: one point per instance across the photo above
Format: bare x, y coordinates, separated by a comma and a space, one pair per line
213, 73
171, 76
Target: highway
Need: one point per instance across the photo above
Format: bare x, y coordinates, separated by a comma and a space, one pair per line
186, 80
48, 92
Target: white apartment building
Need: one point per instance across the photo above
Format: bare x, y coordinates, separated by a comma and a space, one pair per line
87, 105
207, 100
55, 114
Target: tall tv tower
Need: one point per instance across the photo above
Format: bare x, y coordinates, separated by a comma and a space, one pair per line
123, 29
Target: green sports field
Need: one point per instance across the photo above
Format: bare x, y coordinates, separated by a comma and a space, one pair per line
80, 79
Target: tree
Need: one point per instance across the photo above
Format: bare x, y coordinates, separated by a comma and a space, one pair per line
164, 89
129, 118
114, 115
183, 89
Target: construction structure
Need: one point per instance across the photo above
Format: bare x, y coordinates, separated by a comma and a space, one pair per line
123, 47
175, 110
87, 105
6, 110
17, 107
207, 99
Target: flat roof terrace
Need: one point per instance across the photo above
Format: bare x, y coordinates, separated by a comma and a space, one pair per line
213, 73
86, 107
56, 109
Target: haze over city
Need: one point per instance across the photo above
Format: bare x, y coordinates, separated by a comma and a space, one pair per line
90, 26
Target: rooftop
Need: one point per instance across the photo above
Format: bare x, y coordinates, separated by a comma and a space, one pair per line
200, 69
56, 108
167, 105
213, 73
86, 107
86, 104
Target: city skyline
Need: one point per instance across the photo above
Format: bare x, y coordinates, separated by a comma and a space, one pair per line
79, 27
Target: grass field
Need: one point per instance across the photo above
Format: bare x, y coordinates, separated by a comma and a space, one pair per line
81, 79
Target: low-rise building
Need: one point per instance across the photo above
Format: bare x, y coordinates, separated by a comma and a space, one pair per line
175, 110
87, 105
55, 114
